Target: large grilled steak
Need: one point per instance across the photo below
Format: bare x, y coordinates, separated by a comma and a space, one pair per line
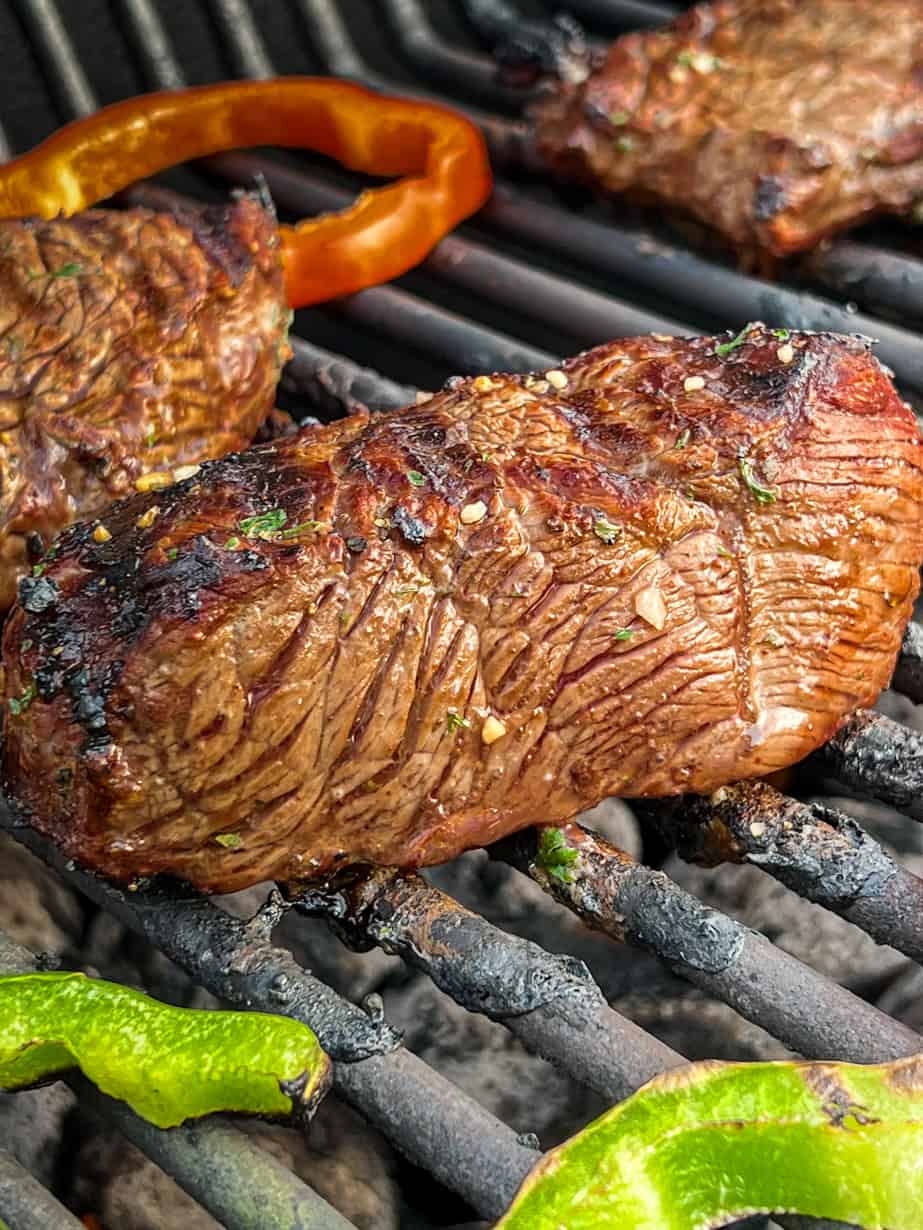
776, 122
130, 344
671, 564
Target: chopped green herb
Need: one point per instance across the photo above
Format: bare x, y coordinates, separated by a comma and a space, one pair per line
14, 346
38, 569
415, 477
21, 703
624, 634
618, 118
762, 495
172, 553
27, 645
232, 543
150, 438
230, 841
70, 270
605, 530
725, 553
263, 525
555, 856
303, 527
684, 58
725, 348
782, 334
454, 721
625, 144
683, 438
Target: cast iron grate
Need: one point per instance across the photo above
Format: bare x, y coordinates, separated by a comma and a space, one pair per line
528, 281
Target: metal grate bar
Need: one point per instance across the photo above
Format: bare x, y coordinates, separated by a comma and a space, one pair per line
62, 67
908, 674
610, 892
587, 315
819, 853
550, 1002
241, 34
434, 58
25, 1204
240, 1184
336, 385
150, 36
629, 14
640, 257
871, 275
427, 1118
878, 758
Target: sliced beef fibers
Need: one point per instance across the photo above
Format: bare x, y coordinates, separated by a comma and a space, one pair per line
668, 565
775, 122
131, 344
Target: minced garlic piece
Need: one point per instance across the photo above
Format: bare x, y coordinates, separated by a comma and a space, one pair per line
492, 730
472, 513
153, 482
101, 534
650, 606
556, 378
182, 472
786, 353
482, 384
147, 519
692, 384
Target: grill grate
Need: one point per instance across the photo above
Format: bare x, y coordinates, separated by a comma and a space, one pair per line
530, 265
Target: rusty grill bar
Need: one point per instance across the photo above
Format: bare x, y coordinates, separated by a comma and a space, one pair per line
552, 1003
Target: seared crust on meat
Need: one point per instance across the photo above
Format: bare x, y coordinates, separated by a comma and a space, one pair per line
776, 122
673, 564
130, 342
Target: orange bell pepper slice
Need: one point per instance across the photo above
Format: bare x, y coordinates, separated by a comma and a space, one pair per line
439, 155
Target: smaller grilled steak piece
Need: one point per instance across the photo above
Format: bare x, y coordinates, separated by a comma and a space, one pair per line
130, 343
776, 122
671, 564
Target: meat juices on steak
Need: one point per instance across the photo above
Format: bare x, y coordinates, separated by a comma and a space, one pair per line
670, 565
776, 122
130, 342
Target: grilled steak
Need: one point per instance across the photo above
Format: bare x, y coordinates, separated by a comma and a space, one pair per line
130, 343
776, 122
671, 564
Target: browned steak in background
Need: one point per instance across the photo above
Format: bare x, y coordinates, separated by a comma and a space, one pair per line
776, 122
131, 343
670, 565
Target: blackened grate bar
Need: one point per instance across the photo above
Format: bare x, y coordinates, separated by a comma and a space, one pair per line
428, 1119
211, 1160
821, 854
612, 893
550, 1002
25, 1204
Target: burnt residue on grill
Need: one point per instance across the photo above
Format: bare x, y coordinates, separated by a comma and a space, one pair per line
819, 853
613, 893
631, 903
483, 969
879, 758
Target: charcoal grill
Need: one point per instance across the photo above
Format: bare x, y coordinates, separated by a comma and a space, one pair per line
539, 274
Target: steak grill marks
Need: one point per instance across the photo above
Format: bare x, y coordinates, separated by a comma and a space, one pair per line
420, 1112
